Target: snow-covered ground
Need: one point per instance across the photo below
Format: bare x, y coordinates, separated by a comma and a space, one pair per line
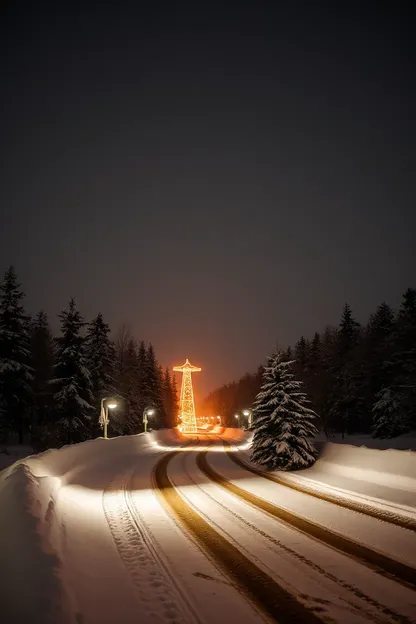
405, 442
163, 528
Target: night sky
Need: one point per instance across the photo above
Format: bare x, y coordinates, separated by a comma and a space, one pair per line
218, 178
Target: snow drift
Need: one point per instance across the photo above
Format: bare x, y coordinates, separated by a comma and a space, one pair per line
32, 531
391, 467
385, 475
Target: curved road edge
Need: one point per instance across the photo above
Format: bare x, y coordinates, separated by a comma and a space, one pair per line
401, 521
379, 562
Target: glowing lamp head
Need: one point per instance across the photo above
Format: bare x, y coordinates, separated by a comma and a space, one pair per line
150, 412
112, 405
246, 413
219, 417
236, 416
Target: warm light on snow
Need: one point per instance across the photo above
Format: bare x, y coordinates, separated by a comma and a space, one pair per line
89, 534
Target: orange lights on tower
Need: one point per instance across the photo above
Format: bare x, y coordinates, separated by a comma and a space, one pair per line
187, 406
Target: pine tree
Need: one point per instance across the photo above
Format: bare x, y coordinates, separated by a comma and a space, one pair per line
42, 361
16, 378
175, 401
389, 420
167, 397
347, 401
73, 400
154, 386
123, 337
170, 398
327, 375
282, 422
100, 354
348, 332
143, 380
288, 356
404, 360
133, 419
381, 324
378, 350
316, 378
302, 349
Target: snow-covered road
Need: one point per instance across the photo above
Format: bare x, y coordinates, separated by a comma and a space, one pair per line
159, 529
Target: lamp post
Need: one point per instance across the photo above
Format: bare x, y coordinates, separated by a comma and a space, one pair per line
219, 418
148, 411
249, 414
106, 404
237, 417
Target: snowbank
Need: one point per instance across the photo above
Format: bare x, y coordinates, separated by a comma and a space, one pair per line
32, 530
404, 442
392, 468
29, 554
383, 477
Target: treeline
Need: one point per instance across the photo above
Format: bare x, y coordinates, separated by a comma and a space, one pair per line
359, 378
51, 388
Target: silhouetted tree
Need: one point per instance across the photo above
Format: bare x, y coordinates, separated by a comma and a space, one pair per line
170, 399
42, 361
100, 355
154, 388
388, 421
358, 379
175, 400
73, 399
404, 360
347, 403
16, 378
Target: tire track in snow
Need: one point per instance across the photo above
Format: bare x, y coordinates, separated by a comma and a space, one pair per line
170, 593
367, 509
267, 595
382, 564
280, 546
147, 571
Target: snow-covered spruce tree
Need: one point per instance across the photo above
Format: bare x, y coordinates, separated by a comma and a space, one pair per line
144, 391
100, 356
346, 408
404, 359
167, 396
170, 398
154, 385
73, 400
42, 362
282, 422
389, 416
15, 370
132, 414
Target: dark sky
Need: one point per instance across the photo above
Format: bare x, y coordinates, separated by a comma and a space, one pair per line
219, 176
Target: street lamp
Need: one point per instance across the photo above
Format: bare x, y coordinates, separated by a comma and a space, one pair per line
148, 411
249, 414
219, 418
237, 416
106, 404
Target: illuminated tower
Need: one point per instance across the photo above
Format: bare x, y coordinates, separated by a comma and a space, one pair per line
187, 406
